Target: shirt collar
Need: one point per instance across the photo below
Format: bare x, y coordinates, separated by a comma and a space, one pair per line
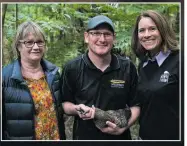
160, 57
113, 65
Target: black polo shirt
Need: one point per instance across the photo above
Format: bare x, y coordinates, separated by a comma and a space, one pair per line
112, 89
158, 92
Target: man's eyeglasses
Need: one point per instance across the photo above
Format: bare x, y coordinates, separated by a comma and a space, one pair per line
98, 34
30, 44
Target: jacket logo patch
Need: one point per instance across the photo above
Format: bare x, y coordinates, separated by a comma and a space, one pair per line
117, 83
164, 77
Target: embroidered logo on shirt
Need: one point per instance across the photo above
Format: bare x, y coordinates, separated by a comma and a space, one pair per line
164, 77
117, 83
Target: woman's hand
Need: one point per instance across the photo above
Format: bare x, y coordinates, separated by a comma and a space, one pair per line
85, 112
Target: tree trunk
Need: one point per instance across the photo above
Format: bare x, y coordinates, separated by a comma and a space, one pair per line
16, 16
4, 13
3, 39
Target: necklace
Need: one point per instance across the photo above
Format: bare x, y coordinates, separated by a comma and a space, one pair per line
31, 70
33, 74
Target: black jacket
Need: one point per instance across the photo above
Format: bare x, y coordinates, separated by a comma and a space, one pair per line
159, 97
18, 107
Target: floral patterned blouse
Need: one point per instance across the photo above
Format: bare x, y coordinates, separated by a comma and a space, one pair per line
46, 124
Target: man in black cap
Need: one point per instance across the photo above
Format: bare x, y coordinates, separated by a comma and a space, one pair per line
102, 79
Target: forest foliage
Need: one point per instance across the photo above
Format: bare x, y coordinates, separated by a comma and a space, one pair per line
65, 23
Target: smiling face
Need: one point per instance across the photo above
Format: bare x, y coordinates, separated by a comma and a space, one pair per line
149, 35
100, 40
31, 53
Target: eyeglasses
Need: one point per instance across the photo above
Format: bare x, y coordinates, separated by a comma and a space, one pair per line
98, 34
30, 44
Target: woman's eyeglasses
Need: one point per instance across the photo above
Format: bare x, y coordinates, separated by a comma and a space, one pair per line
30, 44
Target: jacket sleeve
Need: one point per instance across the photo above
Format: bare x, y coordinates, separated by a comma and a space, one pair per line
138, 96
